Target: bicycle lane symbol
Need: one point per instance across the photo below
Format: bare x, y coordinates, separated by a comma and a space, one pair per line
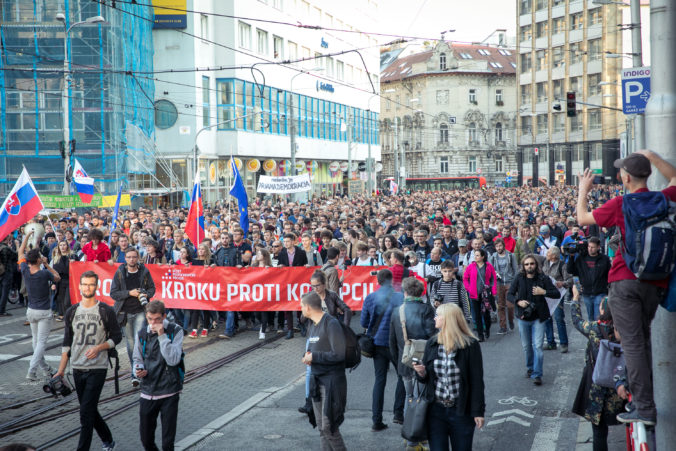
516, 400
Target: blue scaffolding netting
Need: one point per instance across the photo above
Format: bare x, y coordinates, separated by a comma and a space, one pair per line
111, 114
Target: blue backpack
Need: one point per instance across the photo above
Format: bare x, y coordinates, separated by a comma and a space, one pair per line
649, 247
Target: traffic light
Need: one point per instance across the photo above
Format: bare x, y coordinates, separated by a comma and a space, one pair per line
570, 104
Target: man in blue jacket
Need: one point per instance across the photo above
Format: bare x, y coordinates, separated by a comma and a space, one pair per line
375, 317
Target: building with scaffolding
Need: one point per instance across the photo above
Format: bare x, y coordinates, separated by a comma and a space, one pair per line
108, 99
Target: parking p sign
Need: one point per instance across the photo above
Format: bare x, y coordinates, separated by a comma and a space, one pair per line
635, 89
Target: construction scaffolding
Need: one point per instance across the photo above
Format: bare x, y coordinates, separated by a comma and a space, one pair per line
111, 111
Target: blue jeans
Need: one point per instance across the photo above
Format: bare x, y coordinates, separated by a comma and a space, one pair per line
41, 326
532, 334
560, 318
444, 423
135, 322
592, 303
230, 323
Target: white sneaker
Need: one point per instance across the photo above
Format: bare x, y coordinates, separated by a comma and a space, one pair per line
261, 335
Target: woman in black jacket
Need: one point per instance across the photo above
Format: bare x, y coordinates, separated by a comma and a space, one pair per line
452, 370
528, 293
62, 255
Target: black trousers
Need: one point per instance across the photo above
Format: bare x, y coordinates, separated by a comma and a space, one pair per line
149, 410
88, 385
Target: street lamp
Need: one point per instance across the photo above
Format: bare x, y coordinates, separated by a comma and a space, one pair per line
292, 128
65, 104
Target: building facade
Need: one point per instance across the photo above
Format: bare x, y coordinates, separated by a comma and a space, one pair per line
251, 77
449, 109
562, 47
110, 111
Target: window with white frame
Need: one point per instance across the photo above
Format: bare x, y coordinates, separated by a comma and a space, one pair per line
471, 167
576, 84
498, 133
278, 47
498, 97
557, 87
542, 123
575, 53
293, 50
442, 61
525, 6
483, 52
472, 136
559, 25
204, 26
593, 87
527, 126
244, 35
526, 62
576, 123
526, 32
262, 40
594, 119
542, 92
443, 165
558, 57
559, 122
465, 56
541, 60
330, 66
472, 96
594, 17
526, 93
340, 70
495, 64
541, 29
576, 21
594, 47
206, 110
499, 163
443, 133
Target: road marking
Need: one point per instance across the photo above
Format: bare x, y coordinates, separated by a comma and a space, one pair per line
511, 418
515, 411
49, 358
547, 436
11, 337
514, 399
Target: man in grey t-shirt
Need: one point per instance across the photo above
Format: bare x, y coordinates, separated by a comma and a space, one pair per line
91, 329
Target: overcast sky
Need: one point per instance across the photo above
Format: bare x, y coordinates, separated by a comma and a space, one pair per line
472, 20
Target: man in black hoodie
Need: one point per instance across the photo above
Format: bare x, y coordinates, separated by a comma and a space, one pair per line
131, 282
326, 357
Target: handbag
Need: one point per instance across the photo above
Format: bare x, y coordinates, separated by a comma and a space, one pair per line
609, 363
366, 342
412, 348
414, 428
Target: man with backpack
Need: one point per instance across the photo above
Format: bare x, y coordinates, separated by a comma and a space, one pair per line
634, 300
158, 363
91, 328
326, 357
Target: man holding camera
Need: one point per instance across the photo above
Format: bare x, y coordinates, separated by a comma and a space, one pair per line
158, 352
90, 329
131, 289
592, 267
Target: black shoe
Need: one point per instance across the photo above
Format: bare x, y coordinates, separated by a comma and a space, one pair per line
398, 420
635, 417
488, 334
481, 338
378, 426
529, 373
289, 335
307, 408
549, 347
502, 331
537, 381
5, 314
511, 325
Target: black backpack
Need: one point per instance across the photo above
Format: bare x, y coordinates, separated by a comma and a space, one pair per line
352, 348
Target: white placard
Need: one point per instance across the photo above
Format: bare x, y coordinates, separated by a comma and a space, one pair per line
284, 185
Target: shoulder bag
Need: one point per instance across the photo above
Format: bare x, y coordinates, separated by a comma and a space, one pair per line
414, 428
609, 363
412, 348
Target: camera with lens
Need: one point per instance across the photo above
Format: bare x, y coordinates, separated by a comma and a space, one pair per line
439, 298
578, 246
142, 296
57, 386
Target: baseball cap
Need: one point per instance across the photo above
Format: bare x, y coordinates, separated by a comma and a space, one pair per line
462, 242
635, 164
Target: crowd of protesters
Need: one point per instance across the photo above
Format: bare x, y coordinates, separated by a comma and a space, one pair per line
495, 253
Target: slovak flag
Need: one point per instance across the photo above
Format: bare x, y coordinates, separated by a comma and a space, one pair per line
84, 185
20, 206
85, 188
394, 188
194, 226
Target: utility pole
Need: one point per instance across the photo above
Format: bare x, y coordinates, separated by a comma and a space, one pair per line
292, 135
395, 150
660, 117
402, 176
369, 166
349, 148
637, 60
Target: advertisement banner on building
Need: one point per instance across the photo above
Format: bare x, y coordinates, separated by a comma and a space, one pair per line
284, 185
229, 289
170, 14
64, 202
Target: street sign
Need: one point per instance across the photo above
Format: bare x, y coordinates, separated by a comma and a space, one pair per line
635, 89
361, 166
536, 151
478, 171
451, 120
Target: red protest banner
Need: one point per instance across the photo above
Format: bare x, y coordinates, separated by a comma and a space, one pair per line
225, 288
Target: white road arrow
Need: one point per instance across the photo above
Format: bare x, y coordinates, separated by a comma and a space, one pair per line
511, 418
514, 411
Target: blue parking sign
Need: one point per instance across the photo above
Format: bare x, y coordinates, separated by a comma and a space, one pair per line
635, 89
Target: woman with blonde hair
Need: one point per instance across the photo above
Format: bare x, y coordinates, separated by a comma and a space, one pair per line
452, 369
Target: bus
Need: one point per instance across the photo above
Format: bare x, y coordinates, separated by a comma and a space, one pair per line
444, 183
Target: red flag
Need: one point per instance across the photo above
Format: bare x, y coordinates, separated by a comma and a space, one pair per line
194, 226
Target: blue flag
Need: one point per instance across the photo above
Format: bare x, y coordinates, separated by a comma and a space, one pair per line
113, 223
237, 190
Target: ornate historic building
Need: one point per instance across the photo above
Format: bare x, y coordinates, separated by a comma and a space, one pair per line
450, 110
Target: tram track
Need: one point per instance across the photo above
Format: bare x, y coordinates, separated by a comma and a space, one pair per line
30, 420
